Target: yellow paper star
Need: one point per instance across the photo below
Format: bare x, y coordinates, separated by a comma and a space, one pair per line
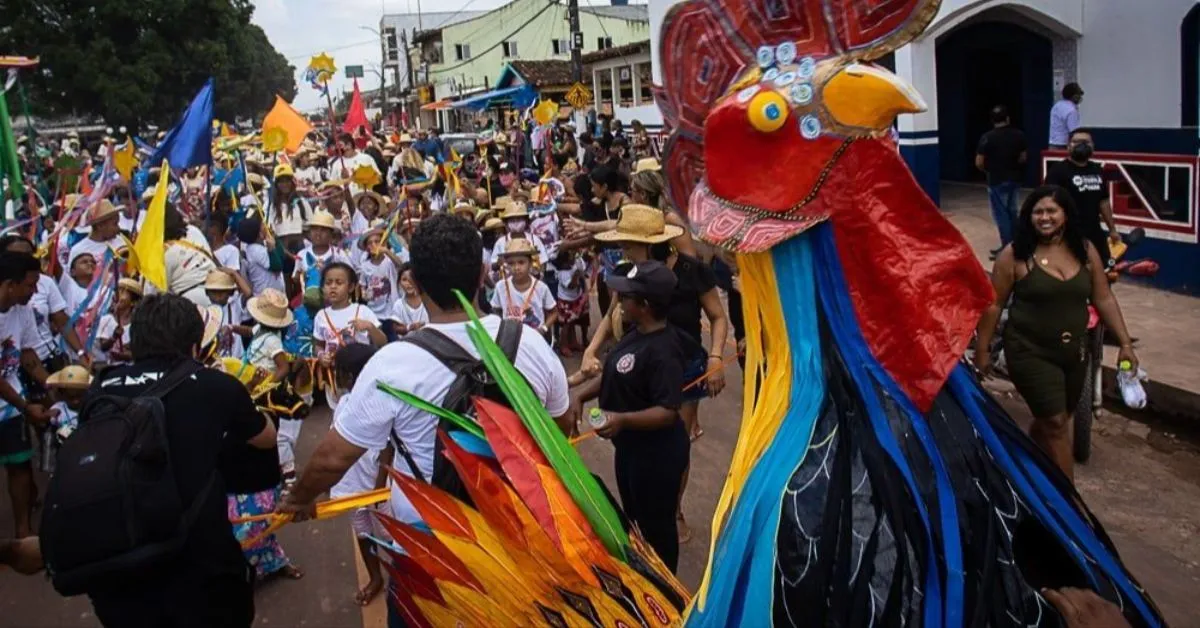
365, 176
274, 139
546, 112
323, 65
125, 159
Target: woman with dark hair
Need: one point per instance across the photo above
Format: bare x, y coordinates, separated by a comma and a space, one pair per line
287, 211
1052, 273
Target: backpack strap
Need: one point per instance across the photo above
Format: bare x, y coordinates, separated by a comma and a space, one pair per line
509, 337
175, 376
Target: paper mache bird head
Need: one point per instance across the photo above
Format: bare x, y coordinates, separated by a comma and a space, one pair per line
765, 96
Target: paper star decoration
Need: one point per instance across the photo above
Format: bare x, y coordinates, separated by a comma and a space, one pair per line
274, 140
546, 112
322, 65
365, 176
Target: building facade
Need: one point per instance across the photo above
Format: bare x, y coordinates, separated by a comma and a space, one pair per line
1137, 61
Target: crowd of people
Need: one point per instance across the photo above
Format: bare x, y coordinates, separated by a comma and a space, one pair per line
343, 263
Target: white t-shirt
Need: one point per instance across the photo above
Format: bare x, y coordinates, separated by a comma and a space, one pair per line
362, 474
310, 176
307, 258
46, 301
131, 225
379, 287
258, 269
228, 256
333, 327
96, 249
344, 167
368, 416
528, 306
229, 344
72, 293
292, 221
359, 224
108, 328
578, 270
18, 331
406, 315
264, 346
187, 268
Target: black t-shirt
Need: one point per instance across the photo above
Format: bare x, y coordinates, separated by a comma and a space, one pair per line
200, 415
695, 279
247, 469
644, 371
1088, 186
1001, 149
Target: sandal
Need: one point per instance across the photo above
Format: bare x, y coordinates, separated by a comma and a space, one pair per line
364, 595
291, 572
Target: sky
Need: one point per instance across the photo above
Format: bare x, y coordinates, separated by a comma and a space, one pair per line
300, 29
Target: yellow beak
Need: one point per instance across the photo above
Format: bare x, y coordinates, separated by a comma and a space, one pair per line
869, 97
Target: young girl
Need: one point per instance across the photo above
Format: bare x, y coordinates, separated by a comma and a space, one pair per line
367, 206
408, 313
368, 473
342, 322
262, 268
379, 275
113, 334
573, 305
271, 363
521, 295
227, 290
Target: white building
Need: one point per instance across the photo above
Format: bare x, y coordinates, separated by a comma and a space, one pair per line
1138, 62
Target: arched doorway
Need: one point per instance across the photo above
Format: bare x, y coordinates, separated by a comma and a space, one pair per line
994, 58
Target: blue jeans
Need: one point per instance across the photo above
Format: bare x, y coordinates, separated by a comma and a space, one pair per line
1003, 197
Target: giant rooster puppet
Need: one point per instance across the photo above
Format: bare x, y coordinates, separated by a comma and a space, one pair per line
874, 482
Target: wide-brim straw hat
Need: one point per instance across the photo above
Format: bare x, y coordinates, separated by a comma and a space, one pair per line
270, 308
380, 200
321, 218
100, 211
520, 246
219, 280
132, 285
515, 209
332, 184
641, 223
213, 319
484, 215
493, 224
73, 377
377, 228
463, 207
647, 164
256, 179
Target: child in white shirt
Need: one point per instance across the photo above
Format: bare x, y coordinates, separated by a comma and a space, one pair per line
408, 312
113, 335
522, 296
378, 276
342, 322
69, 388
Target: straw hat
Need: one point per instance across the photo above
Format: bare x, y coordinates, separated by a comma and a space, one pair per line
322, 218
408, 224
484, 215
377, 228
219, 280
132, 285
493, 224
501, 203
463, 207
331, 184
71, 200
270, 308
515, 210
284, 170
213, 319
520, 246
256, 179
101, 211
73, 377
406, 139
647, 164
380, 201
641, 223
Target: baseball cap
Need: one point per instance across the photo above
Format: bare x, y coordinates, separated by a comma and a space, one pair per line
650, 279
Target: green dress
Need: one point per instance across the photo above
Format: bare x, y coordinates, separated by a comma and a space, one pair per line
1044, 341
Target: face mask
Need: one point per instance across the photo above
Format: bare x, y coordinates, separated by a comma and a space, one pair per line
517, 226
1081, 152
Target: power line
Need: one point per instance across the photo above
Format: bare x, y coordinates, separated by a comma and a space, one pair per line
471, 36
498, 43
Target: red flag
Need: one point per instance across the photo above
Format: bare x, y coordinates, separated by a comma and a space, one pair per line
356, 117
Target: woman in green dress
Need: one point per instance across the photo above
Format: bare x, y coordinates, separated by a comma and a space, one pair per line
1052, 272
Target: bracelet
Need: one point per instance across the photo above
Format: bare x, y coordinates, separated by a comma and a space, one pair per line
714, 356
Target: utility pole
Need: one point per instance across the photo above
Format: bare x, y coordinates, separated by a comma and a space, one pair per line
576, 41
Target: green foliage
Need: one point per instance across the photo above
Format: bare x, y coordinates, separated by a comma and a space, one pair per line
135, 62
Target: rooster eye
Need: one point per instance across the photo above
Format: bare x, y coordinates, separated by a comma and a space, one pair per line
768, 111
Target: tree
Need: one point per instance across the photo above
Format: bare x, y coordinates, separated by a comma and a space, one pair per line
134, 62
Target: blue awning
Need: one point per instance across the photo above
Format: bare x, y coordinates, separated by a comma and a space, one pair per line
520, 97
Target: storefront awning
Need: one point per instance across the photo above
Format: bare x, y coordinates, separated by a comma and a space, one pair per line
437, 105
521, 97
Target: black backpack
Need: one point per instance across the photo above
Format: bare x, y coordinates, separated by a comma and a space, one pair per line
472, 379
113, 506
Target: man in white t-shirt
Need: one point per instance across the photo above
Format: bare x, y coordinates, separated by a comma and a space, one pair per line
105, 233
445, 257
349, 160
19, 273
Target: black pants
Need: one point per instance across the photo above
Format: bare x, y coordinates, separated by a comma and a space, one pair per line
187, 601
649, 479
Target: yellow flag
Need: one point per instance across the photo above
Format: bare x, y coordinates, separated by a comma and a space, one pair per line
149, 256
125, 159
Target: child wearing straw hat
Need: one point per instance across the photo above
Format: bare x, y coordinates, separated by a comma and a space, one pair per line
522, 296
319, 252
68, 388
113, 333
227, 290
516, 225
266, 355
378, 270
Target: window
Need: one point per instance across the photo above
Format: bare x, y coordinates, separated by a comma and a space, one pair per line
510, 48
603, 43
561, 47
462, 52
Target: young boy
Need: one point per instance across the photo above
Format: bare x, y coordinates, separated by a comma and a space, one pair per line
68, 387
521, 295
319, 252
228, 291
378, 276
113, 334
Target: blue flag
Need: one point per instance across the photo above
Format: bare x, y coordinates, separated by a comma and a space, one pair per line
190, 142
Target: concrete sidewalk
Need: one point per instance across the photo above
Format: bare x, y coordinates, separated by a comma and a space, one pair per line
1164, 323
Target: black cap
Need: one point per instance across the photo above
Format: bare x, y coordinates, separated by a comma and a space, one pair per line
651, 279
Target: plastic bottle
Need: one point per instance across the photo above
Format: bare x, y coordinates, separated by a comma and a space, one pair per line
597, 418
1129, 381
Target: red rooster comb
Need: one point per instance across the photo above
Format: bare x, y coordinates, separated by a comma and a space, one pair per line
764, 96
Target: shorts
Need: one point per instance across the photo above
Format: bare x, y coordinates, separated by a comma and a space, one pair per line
693, 371
1049, 382
16, 444
362, 521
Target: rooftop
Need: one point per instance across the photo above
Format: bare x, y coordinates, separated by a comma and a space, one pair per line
628, 50
543, 73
